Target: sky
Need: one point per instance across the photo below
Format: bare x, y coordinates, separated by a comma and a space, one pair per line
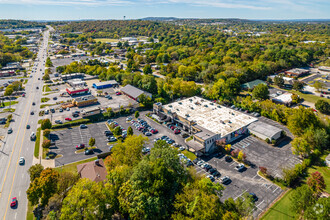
135, 9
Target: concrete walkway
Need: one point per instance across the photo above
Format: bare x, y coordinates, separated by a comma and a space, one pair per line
45, 163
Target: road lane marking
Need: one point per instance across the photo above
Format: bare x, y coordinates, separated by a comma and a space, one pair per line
19, 193
12, 184
240, 194
276, 189
15, 215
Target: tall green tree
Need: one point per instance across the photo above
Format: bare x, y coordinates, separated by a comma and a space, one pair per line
301, 198
46, 124
34, 171
130, 131
91, 142
260, 92
86, 200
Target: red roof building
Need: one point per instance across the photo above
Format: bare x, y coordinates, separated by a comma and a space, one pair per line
77, 90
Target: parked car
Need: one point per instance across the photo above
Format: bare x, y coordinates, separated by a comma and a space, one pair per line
148, 134
107, 133
216, 174
21, 160
118, 93
182, 148
177, 131
184, 135
83, 126
68, 109
210, 177
254, 197
61, 109
240, 167
225, 180
154, 131
58, 122
112, 139
200, 163
89, 151
145, 150
68, 119
46, 111
80, 146
228, 159
196, 160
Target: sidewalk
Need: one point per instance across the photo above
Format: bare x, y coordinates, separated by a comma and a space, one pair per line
45, 163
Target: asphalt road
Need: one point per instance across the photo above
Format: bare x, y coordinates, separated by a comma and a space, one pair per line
14, 179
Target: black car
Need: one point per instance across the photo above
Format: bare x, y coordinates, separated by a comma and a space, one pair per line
211, 171
37, 87
89, 151
228, 159
216, 174
32, 113
254, 197
27, 126
33, 103
196, 160
54, 98
108, 133
207, 167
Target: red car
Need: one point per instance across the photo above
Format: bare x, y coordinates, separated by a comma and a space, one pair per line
154, 131
23, 95
172, 127
68, 119
177, 131
80, 146
13, 202
118, 93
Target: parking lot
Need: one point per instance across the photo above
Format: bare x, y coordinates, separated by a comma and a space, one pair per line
246, 181
67, 139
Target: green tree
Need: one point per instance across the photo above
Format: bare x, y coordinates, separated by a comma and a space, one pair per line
91, 142
323, 106
147, 69
46, 124
34, 171
196, 199
48, 62
130, 131
46, 77
46, 132
245, 205
279, 81
117, 131
319, 211
260, 92
297, 85
319, 85
300, 147
316, 182
43, 187
86, 200
301, 198
8, 91
317, 138
137, 114
301, 119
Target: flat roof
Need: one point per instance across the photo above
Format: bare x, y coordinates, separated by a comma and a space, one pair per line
211, 116
284, 98
263, 128
106, 83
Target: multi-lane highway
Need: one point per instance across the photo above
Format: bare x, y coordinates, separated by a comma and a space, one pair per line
14, 179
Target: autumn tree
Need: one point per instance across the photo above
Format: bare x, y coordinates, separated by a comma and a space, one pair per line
130, 131
316, 182
91, 142
34, 171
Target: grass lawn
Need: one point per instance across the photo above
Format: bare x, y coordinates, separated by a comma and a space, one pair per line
37, 143
46, 88
45, 105
29, 212
310, 97
189, 154
45, 99
8, 110
105, 40
10, 103
72, 167
281, 209
25, 81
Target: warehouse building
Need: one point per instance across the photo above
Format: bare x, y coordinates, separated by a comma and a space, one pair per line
285, 99
84, 101
72, 76
134, 92
106, 84
208, 122
264, 131
296, 72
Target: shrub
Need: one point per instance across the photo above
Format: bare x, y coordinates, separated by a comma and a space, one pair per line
46, 144
273, 142
263, 170
46, 132
267, 140
46, 124
235, 153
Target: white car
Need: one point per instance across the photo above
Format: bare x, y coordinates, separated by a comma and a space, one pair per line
182, 148
210, 177
21, 160
240, 167
200, 163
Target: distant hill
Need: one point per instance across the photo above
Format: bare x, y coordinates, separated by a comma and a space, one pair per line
160, 19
